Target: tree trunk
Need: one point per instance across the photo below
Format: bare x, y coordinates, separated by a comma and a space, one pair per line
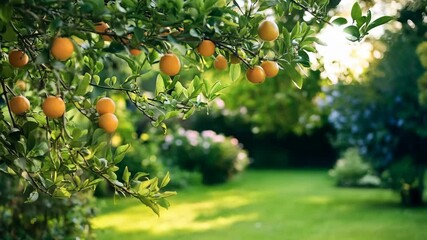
412, 197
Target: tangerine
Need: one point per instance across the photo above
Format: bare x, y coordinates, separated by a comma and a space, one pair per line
62, 48
255, 74
103, 28
19, 105
206, 48
21, 85
18, 58
170, 64
53, 107
220, 62
108, 122
268, 30
271, 68
135, 52
105, 105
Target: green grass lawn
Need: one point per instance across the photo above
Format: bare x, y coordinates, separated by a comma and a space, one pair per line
301, 205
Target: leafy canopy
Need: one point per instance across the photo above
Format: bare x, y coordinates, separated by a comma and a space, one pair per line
60, 156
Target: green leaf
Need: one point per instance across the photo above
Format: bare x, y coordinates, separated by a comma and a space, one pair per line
21, 163
150, 204
33, 197
61, 192
189, 113
294, 74
353, 33
6, 13
163, 203
165, 180
160, 85
83, 84
140, 175
180, 90
339, 21
356, 11
126, 175
235, 71
379, 21
120, 153
29, 126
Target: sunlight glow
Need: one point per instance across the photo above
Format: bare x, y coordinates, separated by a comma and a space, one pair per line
196, 216
340, 55
347, 61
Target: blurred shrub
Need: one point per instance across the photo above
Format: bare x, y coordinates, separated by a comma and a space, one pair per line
350, 168
383, 115
46, 218
216, 157
405, 177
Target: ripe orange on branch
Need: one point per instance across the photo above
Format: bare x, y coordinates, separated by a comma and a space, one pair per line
255, 74
18, 58
53, 107
103, 28
206, 48
271, 68
105, 105
19, 105
108, 122
21, 85
220, 62
135, 52
170, 64
62, 48
268, 31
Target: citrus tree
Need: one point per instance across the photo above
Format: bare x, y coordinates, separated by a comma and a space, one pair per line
58, 116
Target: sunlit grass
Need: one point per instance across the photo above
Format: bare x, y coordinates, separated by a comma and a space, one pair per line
267, 205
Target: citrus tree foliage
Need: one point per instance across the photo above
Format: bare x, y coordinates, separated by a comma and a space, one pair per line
67, 43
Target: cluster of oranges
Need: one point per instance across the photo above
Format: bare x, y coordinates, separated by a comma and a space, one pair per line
62, 48
107, 120
104, 30
267, 31
53, 107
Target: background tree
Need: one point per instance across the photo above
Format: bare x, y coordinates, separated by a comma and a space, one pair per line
384, 115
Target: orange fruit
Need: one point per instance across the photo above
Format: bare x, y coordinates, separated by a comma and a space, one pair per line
101, 28
62, 48
255, 74
268, 30
206, 48
220, 62
271, 68
105, 105
170, 64
234, 59
108, 122
53, 107
18, 58
19, 105
21, 85
135, 52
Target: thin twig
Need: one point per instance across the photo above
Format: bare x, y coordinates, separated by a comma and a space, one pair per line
311, 12
7, 101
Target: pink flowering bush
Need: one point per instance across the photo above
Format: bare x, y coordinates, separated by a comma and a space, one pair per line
217, 157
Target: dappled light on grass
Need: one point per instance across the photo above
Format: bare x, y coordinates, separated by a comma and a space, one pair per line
273, 205
191, 216
318, 199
